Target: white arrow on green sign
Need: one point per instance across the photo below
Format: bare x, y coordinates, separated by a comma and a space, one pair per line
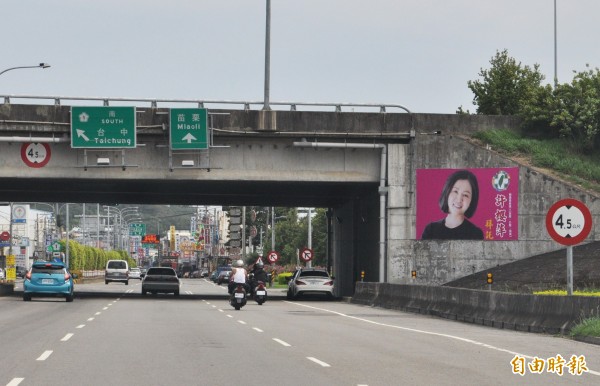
103, 127
188, 129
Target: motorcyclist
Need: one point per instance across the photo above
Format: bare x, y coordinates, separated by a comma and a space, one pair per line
238, 276
258, 274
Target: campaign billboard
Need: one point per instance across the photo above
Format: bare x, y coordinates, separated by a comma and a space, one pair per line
467, 204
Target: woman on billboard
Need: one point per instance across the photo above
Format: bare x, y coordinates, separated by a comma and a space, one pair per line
459, 201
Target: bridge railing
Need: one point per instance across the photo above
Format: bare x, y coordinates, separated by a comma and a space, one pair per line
202, 103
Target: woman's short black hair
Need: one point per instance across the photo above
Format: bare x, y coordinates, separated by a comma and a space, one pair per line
460, 175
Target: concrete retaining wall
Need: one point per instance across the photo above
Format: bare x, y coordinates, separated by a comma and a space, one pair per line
7, 289
532, 313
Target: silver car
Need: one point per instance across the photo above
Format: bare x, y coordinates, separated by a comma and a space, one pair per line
310, 281
135, 273
161, 279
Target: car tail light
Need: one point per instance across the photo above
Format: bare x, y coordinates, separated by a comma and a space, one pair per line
67, 277
300, 282
28, 275
328, 282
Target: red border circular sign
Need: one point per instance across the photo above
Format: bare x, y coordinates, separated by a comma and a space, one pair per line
33, 162
306, 254
586, 227
273, 256
4, 236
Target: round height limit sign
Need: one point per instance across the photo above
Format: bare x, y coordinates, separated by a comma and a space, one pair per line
569, 221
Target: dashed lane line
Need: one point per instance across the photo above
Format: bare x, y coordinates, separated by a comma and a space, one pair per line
44, 355
67, 337
319, 362
281, 342
15, 381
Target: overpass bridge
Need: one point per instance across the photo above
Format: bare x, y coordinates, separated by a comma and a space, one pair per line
358, 160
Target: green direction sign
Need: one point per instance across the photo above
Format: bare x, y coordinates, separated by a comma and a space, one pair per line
103, 127
189, 129
137, 229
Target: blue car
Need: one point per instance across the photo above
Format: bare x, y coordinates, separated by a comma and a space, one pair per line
48, 279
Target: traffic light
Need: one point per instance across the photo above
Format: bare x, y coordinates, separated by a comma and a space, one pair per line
490, 278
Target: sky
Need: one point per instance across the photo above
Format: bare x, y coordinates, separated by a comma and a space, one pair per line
416, 53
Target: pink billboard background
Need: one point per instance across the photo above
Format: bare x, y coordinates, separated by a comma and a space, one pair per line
497, 208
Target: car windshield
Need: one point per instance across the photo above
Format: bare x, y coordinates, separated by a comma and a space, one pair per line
161, 271
314, 274
47, 270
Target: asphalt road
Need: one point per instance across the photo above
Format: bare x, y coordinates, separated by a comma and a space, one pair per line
111, 335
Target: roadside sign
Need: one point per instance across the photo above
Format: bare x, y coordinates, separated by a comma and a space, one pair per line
35, 155
188, 129
19, 214
306, 254
273, 256
137, 229
569, 221
4, 236
103, 127
56, 247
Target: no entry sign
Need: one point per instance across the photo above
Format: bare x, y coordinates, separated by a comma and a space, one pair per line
569, 221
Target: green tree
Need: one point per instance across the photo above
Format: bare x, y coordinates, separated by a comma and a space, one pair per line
506, 87
575, 110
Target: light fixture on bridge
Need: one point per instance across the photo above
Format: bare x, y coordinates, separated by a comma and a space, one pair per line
103, 161
187, 163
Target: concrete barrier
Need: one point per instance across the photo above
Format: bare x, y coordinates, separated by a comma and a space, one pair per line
522, 312
7, 289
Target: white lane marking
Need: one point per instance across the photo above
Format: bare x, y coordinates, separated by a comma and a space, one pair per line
464, 340
220, 310
241, 322
257, 329
45, 355
98, 313
319, 362
213, 306
80, 326
105, 308
66, 337
229, 316
15, 381
90, 319
282, 342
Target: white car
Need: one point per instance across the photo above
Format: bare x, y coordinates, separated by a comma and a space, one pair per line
310, 281
135, 273
1, 273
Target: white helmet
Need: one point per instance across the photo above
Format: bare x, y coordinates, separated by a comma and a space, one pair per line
239, 263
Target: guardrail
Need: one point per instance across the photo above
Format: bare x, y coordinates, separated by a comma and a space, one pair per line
201, 103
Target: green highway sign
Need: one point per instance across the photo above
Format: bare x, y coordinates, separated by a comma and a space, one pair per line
137, 229
189, 129
103, 127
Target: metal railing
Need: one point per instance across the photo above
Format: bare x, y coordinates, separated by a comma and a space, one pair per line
201, 103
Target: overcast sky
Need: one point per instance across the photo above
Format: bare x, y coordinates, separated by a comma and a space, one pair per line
416, 53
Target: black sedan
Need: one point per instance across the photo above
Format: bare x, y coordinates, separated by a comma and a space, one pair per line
161, 279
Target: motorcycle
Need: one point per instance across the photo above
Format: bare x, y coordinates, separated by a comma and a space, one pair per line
260, 293
238, 297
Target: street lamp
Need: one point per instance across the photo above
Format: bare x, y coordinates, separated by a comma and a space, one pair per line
41, 65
